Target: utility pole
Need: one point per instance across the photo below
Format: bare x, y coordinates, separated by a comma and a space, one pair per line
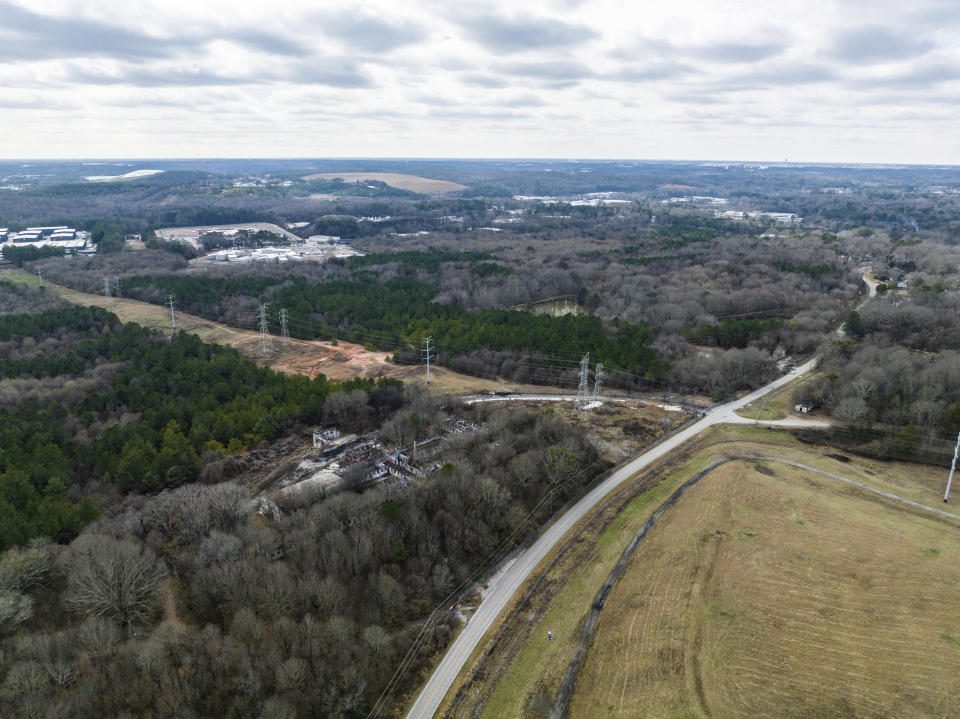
284, 327
953, 468
427, 352
40, 276
171, 301
116, 286
266, 344
597, 379
107, 286
583, 391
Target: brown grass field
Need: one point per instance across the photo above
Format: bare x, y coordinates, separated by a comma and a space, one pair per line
413, 183
766, 591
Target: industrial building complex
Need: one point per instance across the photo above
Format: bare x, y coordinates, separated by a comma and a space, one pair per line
59, 236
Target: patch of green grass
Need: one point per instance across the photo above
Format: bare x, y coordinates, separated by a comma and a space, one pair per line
931, 552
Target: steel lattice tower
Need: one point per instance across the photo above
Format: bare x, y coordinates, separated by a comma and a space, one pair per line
266, 343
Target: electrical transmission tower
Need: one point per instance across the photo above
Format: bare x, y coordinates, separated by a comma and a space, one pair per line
171, 303
284, 327
107, 287
266, 344
427, 352
583, 390
40, 276
597, 379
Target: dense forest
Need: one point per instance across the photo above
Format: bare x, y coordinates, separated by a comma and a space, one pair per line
188, 602
145, 572
86, 398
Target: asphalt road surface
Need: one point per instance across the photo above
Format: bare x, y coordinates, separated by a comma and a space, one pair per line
499, 595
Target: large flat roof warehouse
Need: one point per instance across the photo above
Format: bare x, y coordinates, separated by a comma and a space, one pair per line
191, 235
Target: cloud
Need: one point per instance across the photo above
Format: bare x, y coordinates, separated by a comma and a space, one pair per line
916, 78
332, 72
518, 33
871, 44
266, 42
658, 71
146, 77
26, 35
362, 31
560, 70
481, 80
736, 52
524, 100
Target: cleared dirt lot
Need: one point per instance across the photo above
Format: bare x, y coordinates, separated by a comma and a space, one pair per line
412, 183
765, 591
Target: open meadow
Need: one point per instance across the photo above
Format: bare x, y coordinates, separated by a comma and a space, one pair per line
413, 183
766, 590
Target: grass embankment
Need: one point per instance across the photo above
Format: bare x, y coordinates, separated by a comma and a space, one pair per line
763, 592
779, 403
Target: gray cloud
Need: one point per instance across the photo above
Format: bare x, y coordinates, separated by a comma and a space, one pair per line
480, 80
658, 71
334, 72
361, 31
435, 100
735, 52
144, 77
916, 78
25, 34
782, 75
266, 42
28, 35
870, 44
524, 32
559, 71
524, 100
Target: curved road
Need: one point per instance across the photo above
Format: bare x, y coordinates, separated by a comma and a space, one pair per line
502, 592
500, 595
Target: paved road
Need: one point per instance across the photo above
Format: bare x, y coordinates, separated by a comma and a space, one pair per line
499, 596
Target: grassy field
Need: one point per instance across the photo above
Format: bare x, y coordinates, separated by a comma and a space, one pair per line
413, 183
766, 591
779, 404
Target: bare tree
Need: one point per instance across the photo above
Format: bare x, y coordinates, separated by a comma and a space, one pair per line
113, 577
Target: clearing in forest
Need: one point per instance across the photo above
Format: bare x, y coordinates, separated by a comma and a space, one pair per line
341, 361
412, 183
766, 590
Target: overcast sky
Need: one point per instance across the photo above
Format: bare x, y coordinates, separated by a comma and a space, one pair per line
808, 80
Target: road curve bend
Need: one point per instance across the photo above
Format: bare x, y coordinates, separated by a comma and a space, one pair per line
499, 595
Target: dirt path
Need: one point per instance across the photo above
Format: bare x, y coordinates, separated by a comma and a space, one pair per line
340, 361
